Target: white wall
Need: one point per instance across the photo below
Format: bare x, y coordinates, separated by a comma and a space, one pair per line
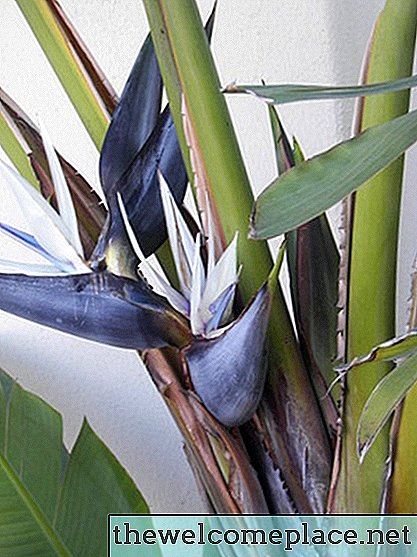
286, 40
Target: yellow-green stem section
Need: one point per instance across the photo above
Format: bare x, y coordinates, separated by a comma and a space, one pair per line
403, 496
66, 66
14, 150
372, 287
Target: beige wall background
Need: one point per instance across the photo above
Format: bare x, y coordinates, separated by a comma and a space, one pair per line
307, 41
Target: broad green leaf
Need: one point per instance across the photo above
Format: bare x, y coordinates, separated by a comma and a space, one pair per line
386, 396
372, 268
68, 67
52, 503
289, 93
397, 347
327, 178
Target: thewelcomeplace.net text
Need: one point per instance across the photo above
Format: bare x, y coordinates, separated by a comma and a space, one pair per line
288, 538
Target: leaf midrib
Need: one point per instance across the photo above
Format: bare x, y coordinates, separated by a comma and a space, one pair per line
35, 510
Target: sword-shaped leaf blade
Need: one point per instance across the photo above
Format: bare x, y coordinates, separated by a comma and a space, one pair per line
69, 68
289, 93
327, 178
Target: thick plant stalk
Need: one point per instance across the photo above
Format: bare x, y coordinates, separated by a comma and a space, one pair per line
190, 77
372, 275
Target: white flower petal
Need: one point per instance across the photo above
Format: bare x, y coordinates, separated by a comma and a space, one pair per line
151, 270
197, 324
27, 268
31, 243
64, 199
180, 238
191, 205
222, 276
43, 222
210, 240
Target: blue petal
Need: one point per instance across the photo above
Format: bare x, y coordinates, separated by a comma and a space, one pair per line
129, 164
219, 307
30, 242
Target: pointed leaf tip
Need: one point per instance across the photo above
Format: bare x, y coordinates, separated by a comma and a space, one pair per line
290, 93
383, 400
134, 118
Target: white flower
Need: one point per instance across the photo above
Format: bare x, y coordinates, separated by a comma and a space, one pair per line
53, 236
206, 295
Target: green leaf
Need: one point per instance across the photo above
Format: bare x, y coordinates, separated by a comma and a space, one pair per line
398, 347
99, 81
67, 66
327, 178
386, 396
289, 93
52, 503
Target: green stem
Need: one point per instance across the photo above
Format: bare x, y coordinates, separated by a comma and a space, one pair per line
372, 286
402, 498
70, 72
12, 145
